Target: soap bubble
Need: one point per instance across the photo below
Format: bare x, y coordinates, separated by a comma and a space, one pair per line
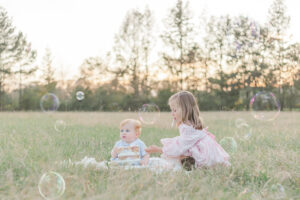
79, 95
239, 122
60, 125
243, 131
49, 102
277, 191
264, 106
238, 45
254, 29
149, 113
283, 176
229, 144
251, 29
173, 123
51, 185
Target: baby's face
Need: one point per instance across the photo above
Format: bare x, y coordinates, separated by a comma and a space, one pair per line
127, 133
176, 113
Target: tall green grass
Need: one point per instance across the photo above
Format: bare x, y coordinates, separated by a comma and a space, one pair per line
30, 146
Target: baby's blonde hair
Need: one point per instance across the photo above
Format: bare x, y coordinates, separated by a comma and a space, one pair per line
187, 102
137, 125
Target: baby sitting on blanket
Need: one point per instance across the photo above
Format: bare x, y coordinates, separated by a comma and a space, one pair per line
130, 150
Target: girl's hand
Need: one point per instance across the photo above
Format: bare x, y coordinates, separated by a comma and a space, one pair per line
182, 157
153, 149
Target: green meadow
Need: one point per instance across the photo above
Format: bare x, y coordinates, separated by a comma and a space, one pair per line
265, 166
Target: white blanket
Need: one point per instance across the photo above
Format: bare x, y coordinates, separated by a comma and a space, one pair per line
155, 164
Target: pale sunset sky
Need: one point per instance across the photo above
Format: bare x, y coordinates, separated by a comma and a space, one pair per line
78, 29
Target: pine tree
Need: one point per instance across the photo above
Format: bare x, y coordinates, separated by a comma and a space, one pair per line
132, 49
278, 25
16, 54
178, 38
48, 71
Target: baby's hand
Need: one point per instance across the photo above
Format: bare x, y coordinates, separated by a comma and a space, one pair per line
114, 152
182, 157
135, 148
145, 160
118, 150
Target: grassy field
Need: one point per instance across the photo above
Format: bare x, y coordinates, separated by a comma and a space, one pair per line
267, 166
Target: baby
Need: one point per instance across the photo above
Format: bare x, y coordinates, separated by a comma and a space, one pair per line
130, 149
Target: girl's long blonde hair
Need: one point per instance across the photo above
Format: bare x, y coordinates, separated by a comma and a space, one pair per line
190, 112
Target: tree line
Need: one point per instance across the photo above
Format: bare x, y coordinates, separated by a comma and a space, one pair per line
223, 60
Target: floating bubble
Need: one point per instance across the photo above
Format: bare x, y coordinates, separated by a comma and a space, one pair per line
79, 95
251, 30
238, 45
283, 176
255, 196
254, 29
60, 125
229, 144
264, 106
149, 113
51, 185
49, 102
243, 131
277, 191
239, 122
173, 123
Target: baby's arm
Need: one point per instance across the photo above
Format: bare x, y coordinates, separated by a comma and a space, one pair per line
144, 154
115, 151
145, 159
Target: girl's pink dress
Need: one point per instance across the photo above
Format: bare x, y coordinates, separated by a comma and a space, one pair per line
199, 144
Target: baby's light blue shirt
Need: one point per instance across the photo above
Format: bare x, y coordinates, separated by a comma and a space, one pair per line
139, 143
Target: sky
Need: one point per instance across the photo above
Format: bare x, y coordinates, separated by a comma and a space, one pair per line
78, 29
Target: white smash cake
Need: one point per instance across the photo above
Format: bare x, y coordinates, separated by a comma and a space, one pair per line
128, 156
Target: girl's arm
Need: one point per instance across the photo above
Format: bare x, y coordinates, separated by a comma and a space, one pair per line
153, 149
179, 145
157, 149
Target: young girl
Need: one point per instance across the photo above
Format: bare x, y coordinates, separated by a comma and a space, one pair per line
194, 142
